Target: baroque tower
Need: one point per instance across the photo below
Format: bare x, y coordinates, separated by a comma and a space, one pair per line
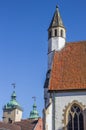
12, 111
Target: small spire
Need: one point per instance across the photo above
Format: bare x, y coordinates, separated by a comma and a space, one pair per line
56, 20
34, 113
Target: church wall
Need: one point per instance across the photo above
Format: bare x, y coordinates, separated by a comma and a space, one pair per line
48, 118
62, 100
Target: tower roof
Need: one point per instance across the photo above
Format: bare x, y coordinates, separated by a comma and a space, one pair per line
56, 20
12, 104
34, 113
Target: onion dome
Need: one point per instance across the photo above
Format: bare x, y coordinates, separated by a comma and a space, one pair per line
12, 104
34, 113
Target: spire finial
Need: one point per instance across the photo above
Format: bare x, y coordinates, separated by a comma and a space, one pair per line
34, 98
57, 6
13, 96
34, 113
14, 85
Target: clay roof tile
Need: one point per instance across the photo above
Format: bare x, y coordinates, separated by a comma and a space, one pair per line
69, 67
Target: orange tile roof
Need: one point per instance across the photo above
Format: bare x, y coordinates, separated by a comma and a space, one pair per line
30, 124
27, 124
69, 68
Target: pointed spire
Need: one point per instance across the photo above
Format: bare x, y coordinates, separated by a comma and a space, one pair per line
56, 20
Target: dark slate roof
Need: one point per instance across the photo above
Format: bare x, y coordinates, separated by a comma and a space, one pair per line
56, 20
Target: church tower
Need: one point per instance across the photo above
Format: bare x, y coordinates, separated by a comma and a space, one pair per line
65, 84
12, 111
56, 36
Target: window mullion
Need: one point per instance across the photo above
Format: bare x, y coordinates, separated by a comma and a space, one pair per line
73, 121
78, 121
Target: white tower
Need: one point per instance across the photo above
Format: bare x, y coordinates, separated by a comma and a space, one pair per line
56, 36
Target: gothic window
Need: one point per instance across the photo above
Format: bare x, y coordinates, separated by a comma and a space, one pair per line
62, 33
55, 32
75, 118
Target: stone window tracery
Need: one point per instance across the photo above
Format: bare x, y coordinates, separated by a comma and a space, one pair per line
75, 118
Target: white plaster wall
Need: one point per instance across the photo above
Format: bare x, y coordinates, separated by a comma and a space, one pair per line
62, 100
56, 43
61, 43
18, 115
48, 122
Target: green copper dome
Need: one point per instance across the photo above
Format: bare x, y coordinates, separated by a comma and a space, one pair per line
34, 113
12, 104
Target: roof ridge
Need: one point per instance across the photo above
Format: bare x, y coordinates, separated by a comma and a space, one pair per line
76, 41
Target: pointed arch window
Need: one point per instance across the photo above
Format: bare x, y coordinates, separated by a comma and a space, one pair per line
55, 32
62, 33
75, 118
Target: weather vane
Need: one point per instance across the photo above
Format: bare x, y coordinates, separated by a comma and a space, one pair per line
14, 85
34, 98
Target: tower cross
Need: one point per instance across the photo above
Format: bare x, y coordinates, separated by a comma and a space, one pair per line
34, 98
14, 85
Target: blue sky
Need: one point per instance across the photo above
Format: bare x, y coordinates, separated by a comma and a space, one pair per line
23, 45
